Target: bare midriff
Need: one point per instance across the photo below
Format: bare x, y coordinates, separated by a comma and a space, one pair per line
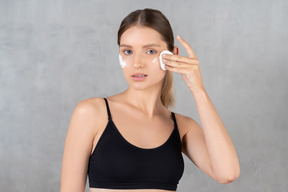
129, 190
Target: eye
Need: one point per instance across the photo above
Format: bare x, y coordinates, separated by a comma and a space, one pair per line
127, 52
151, 51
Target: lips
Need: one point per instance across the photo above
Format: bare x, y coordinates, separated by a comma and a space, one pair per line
139, 75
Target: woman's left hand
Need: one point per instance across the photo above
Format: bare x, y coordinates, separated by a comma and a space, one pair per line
187, 66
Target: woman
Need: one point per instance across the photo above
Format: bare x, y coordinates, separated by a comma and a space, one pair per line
131, 141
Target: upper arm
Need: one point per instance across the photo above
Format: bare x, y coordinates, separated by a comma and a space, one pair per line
195, 148
77, 147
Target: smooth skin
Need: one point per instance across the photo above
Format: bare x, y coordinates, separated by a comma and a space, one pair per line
142, 119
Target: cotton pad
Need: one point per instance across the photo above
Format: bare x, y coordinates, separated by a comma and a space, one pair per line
160, 58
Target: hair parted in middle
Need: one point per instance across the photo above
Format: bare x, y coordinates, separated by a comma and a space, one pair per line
156, 20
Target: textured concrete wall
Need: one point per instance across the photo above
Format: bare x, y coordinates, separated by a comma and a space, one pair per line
55, 53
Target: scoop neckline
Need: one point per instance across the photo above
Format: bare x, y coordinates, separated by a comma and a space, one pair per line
147, 149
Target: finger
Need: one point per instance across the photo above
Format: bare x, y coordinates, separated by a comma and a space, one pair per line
179, 64
174, 63
176, 69
188, 48
178, 58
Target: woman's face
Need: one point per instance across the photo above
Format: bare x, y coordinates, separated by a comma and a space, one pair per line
140, 48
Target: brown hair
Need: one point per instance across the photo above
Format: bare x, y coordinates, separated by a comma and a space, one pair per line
156, 20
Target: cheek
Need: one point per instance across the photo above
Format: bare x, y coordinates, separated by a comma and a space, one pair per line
125, 61
122, 63
156, 63
155, 60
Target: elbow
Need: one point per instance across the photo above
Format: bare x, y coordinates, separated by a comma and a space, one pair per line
228, 178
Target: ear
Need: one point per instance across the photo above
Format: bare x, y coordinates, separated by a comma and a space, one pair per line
175, 50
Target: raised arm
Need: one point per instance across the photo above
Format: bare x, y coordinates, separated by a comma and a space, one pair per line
210, 148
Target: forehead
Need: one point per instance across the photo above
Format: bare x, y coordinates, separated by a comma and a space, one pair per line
140, 35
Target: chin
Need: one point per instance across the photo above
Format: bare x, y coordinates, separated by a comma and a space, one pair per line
144, 85
138, 87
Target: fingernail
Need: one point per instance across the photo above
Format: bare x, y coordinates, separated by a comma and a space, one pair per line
178, 37
164, 55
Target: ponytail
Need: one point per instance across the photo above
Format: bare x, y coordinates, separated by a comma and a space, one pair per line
167, 92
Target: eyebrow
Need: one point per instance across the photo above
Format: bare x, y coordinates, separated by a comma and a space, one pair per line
145, 46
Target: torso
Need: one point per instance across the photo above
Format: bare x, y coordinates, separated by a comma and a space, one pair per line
136, 129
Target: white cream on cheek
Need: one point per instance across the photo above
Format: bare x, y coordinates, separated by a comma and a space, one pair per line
123, 63
155, 60
158, 62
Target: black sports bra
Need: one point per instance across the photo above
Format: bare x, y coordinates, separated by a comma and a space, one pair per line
117, 164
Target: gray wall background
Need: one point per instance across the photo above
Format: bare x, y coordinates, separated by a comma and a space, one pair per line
55, 53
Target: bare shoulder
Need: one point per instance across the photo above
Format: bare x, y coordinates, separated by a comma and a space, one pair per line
93, 110
186, 123
91, 105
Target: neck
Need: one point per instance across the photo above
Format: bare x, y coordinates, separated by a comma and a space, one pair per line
146, 100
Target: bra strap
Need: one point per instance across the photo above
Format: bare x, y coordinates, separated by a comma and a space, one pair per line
174, 119
176, 126
108, 110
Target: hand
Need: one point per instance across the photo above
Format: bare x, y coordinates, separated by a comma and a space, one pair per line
187, 66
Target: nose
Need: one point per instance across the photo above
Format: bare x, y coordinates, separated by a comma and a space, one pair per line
138, 61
